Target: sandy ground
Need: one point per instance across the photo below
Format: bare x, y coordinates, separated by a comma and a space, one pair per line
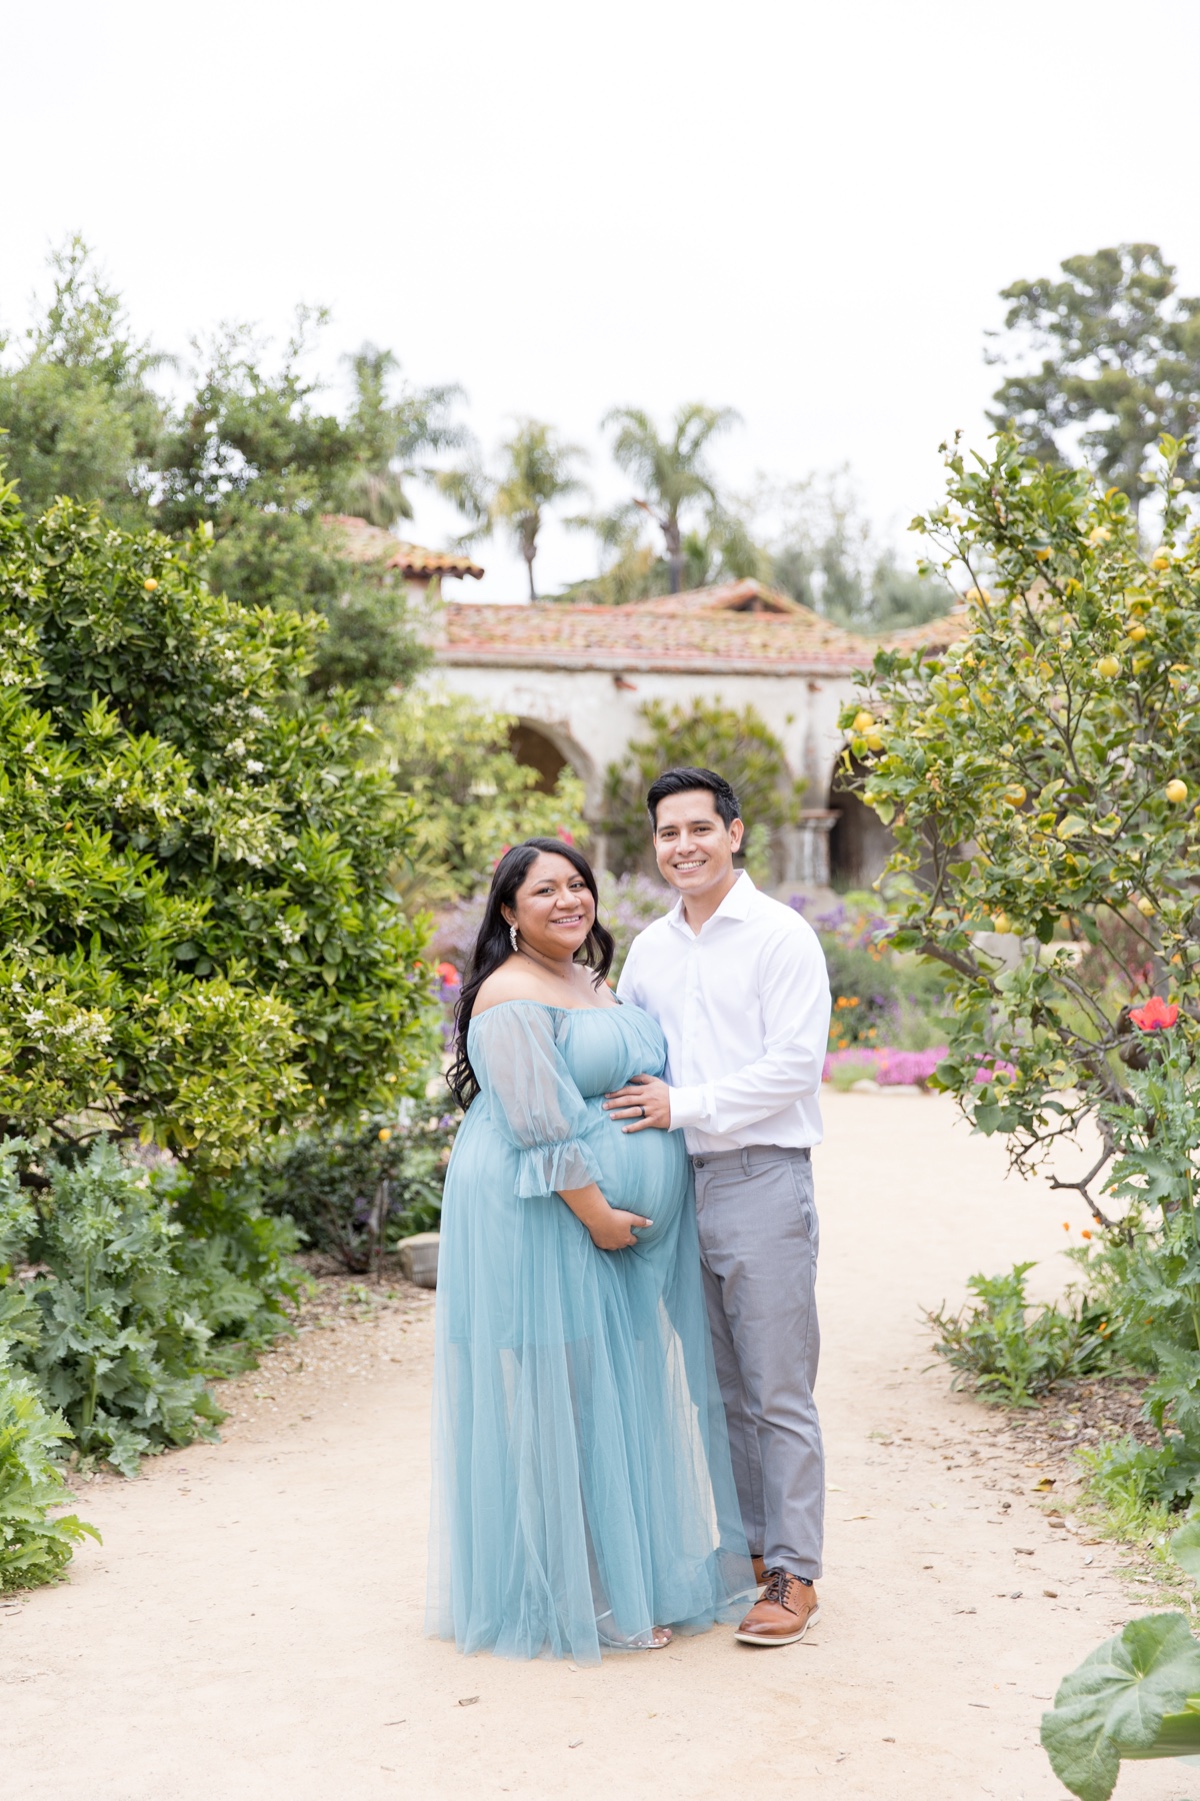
251, 1627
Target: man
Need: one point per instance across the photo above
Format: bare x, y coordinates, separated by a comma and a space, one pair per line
738, 984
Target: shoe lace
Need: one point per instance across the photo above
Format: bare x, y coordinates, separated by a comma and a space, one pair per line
777, 1588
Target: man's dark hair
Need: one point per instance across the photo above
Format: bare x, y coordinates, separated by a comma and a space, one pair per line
686, 781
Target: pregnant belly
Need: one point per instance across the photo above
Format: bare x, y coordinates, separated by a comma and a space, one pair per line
645, 1172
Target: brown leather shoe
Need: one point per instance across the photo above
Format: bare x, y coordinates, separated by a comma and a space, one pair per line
760, 1569
784, 1613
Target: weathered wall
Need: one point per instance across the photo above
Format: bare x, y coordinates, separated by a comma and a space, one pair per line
592, 716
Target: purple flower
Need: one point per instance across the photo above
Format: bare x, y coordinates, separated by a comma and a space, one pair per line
994, 1066
890, 1068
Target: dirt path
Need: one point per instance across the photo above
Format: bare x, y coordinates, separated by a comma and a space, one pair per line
250, 1630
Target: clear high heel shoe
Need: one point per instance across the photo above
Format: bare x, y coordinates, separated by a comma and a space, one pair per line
656, 1639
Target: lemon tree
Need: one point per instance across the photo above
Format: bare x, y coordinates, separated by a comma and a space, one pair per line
1041, 780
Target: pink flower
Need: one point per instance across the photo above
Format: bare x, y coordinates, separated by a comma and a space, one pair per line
1155, 1016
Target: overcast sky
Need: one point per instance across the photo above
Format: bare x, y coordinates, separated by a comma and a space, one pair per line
800, 210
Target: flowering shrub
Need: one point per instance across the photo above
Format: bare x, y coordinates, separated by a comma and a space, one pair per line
1040, 779
890, 1068
195, 936
881, 996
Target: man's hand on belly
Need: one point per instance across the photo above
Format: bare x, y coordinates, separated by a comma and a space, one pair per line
645, 1100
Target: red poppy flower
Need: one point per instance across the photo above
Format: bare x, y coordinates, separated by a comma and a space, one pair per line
1155, 1016
449, 975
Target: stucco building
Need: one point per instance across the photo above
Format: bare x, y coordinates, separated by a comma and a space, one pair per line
575, 676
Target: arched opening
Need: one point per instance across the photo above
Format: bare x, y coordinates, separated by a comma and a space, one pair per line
859, 844
537, 751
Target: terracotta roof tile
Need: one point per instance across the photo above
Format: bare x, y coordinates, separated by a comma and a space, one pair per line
746, 596
362, 542
934, 635
649, 637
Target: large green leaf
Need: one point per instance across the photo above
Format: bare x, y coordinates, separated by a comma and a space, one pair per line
1185, 1547
1115, 1703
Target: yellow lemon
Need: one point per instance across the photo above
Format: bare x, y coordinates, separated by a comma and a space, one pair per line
863, 721
1001, 923
1041, 555
1176, 791
1015, 796
1160, 562
385, 1134
149, 584
1108, 667
1137, 633
1146, 908
874, 741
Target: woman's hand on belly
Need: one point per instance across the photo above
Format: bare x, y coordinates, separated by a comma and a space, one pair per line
610, 1228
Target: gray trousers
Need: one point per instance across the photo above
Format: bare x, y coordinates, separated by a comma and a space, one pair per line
758, 1251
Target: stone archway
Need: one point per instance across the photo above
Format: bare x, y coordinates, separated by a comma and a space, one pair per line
530, 745
859, 844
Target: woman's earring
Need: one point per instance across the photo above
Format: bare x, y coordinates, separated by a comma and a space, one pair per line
512, 933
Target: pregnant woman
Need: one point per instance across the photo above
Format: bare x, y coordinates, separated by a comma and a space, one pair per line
583, 1493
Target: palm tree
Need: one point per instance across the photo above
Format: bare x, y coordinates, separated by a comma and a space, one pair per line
537, 471
386, 434
670, 471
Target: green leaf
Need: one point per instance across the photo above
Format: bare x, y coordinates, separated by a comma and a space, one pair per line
1185, 1547
1115, 1703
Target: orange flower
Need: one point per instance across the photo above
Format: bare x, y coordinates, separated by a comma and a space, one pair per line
1155, 1016
1085, 1233
1066, 1225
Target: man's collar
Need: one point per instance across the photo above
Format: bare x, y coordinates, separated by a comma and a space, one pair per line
736, 905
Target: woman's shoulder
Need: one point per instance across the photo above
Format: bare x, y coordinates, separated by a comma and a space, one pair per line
508, 983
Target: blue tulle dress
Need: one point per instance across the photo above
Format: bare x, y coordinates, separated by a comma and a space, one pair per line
583, 1492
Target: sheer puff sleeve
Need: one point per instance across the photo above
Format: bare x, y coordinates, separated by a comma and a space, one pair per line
531, 1097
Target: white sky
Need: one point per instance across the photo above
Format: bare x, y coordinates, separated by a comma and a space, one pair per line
801, 210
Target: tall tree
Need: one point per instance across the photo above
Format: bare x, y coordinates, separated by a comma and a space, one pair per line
537, 471
1119, 364
387, 433
254, 460
76, 407
670, 470
824, 552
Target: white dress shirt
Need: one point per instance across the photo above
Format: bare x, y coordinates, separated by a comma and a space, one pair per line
744, 1007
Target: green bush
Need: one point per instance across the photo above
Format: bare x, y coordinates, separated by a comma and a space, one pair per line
351, 1186
34, 1547
195, 932
122, 1316
1011, 1352
1134, 1483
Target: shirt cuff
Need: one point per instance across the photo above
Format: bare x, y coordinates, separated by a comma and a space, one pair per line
689, 1106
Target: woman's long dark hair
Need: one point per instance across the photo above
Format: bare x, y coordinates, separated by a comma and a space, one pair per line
494, 945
